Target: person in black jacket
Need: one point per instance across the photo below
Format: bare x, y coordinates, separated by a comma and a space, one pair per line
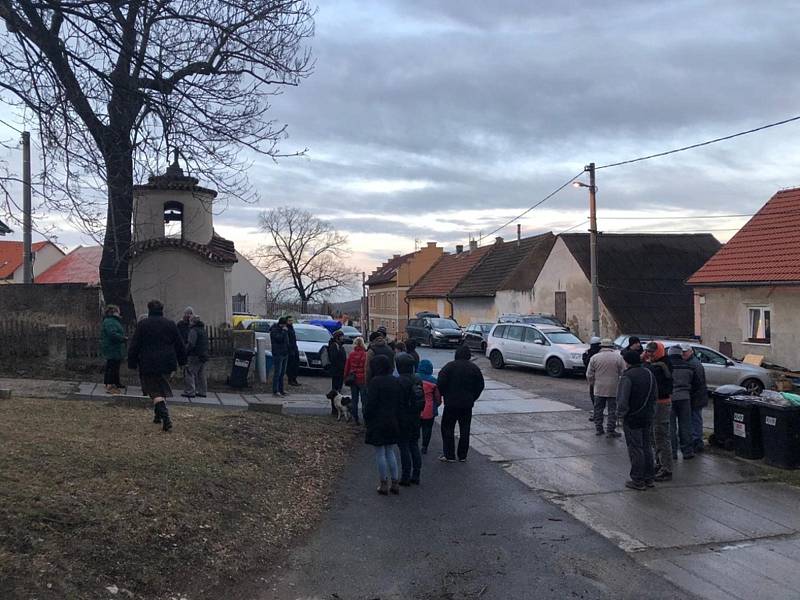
411, 349
636, 403
655, 358
156, 350
293, 365
460, 383
279, 339
594, 348
196, 358
385, 396
413, 403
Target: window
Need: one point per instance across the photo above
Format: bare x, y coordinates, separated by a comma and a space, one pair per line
563, 337
758, 324
531, 335
173, 219
499, 331
515, 332
240, 303
707, 357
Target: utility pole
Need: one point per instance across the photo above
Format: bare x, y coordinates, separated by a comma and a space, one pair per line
364, 306
593, 249
27, 254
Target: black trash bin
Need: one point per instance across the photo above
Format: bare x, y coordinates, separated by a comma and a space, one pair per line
242, 358
780, 430
746, 426
723, 418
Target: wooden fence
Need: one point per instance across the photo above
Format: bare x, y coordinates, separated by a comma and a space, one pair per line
83, 342
22, 338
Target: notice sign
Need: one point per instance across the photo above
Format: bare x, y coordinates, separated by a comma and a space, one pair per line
770, 421
739, 430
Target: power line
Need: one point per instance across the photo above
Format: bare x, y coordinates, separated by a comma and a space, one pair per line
706, 143
672, 218
573, 227
674, 230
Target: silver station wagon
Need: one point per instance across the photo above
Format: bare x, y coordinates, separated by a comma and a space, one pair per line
555, 349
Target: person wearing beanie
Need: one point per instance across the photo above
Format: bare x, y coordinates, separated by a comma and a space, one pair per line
655, 359
337, 359
412, 405
699, 395
432, 401
605, 369
594, 348
636, 401
635, 344
684, 380
461, 384
378, 347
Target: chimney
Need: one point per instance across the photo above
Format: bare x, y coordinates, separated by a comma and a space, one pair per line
498, 240
459, 248
519, 233
396, 256
473, 245
431, 244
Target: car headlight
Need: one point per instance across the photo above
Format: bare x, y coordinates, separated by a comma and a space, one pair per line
302, 354
437, 334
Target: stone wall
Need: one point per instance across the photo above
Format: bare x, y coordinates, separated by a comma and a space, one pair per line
71, 304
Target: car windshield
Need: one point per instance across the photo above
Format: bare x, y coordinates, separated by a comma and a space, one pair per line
350, 330
260, 326
444, 324
563, 337
312, 334
485, 327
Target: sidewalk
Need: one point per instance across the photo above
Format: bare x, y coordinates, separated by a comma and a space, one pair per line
718, 530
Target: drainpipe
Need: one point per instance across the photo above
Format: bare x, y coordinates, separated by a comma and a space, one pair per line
452, 308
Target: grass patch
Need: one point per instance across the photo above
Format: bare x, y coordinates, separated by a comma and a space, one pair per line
95, 496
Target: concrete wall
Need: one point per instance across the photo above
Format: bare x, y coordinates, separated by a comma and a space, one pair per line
180, 278
148, 214
247, 279
43, 259
474, 310
561, 273
71, 304
724, 317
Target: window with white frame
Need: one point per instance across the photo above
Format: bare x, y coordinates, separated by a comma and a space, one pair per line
758, 324
240, 303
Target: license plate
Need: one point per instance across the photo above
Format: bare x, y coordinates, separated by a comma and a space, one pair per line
739, 430
316, 363
241, 363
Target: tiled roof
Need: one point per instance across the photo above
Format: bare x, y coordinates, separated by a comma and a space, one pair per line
11, 256
766, 249
388, 271
82, 265
508, 265
4, 229
447, 273
217, 250
642, 277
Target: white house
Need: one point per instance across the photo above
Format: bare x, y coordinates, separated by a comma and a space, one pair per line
249, 287
45, 255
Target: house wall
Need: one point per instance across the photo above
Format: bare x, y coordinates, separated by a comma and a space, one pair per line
247, 279
180, 278
43, 259
474, 310
383, 307
724, 317
415, 267
560, 273
440, 306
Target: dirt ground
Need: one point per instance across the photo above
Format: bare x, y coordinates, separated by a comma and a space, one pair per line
97, 502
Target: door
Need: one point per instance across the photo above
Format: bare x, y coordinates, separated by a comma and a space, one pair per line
534, 347
513, 343
716, 367
561, 306
472, 337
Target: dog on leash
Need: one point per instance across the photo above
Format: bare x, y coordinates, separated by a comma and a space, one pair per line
341, 404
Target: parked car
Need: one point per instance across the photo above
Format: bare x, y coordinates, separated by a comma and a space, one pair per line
238, 319
720, 369
312, 341
547, 347
329, 324
434, 331
531, 319
350, 334
476, 336
260, 326
314, 317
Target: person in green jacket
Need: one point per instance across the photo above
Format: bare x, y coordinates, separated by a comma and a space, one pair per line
112, 345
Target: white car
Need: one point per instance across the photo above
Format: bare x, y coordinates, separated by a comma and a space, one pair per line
554, 349
312, 341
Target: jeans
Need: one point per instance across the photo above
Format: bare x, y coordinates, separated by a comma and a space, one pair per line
451, 416
600, 403
697, 428
292, 367
640, 452
195, 378
278, 371
410, 460
682, 427
111, 376
661, 434
357, 392
426, 427
387, 462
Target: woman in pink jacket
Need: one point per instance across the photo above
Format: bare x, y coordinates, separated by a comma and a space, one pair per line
432, 401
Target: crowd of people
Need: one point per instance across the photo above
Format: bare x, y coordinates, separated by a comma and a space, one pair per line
658, 394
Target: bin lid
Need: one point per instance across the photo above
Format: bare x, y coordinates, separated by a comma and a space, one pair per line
730, 390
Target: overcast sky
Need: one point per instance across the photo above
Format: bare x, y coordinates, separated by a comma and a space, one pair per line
440, 119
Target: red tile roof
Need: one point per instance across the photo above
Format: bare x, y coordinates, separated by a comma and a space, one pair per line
388, 271
766, 249
447, 273
11, 256
82, 265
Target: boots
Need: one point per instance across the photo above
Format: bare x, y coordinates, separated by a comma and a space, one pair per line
395, 489
163, 412
383, 488
156, 414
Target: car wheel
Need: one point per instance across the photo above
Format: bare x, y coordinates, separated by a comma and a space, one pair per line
497, 359
555, 368
753, 386
483, 348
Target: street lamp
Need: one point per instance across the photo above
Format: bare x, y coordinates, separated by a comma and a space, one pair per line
592, 244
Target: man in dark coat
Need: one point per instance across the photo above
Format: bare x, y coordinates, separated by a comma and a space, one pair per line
413, 403
197, 357
460, 383
381, 416
699, 395
684, 381
156, 350
378, 347
293, 365
279, 342
594, 348
636, 404
185, 323
337, 359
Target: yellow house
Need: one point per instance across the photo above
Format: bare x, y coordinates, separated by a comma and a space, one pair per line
389, 283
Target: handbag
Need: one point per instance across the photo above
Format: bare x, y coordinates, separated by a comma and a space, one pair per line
350, 380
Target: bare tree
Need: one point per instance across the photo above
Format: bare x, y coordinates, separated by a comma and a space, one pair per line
306, 251
115, 85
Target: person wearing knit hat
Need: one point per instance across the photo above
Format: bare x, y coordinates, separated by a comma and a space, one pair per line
594, 348
603, 373
636, 400
684, 380
655, 358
